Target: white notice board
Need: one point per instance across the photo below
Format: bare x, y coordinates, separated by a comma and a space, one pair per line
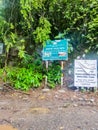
85, 73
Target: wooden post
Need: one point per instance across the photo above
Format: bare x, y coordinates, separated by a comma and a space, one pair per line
46, 75
62, 75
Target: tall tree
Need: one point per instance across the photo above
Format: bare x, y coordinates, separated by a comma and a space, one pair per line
35, 21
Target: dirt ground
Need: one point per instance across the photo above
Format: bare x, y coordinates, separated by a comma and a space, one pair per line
48, 110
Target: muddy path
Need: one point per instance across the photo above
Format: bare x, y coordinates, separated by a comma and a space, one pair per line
51, 110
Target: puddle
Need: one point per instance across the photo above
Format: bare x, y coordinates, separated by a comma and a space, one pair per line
7, 127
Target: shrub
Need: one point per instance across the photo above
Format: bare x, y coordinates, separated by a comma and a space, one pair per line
54, 74
22, 78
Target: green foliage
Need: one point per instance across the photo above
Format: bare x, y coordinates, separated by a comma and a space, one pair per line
28, 74
22, 78
1, 74
82, 29
2, 60
42, 31
54, 75
40, 20
12, 40
32, 62
70, 48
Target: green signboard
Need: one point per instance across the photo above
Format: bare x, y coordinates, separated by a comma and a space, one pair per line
55, 50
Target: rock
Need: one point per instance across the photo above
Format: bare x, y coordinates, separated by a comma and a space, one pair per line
42, 97
56, 96
45, 90
92, 100
61, 128
81, 99
1, 88
66, 105
60, 108
75, 105
61, 91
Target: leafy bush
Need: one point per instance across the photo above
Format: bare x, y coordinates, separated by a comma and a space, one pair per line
33, 62
30, 73
1, 74
54, 75
22, 78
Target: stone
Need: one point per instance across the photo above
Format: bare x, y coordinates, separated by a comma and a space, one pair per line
92, 100
75, 105
45, 90
61, 91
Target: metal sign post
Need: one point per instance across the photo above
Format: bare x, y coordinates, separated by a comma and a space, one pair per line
62, 75
46, 75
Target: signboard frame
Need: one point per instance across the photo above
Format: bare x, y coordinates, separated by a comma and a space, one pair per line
55, 50
85, 73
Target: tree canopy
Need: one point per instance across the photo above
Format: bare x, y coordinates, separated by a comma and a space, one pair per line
27, 24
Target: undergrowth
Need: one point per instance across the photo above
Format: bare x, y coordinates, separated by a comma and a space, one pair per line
30, 73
